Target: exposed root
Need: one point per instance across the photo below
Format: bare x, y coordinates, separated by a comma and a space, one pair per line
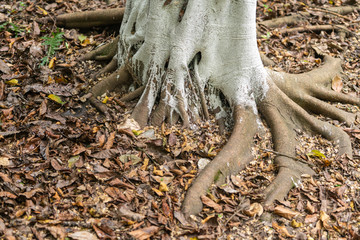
118, 79
316, 28
132, 95
90, 19
232, 158
285, 109
266, 61
302, 16
103, 53
110, 67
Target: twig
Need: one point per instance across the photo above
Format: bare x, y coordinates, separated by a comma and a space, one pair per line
285, 155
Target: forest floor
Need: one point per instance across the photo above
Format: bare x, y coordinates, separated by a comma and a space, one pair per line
67, 172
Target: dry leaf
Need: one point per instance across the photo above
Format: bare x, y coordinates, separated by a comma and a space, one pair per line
282, 230
337, 84
144, 233
325, 220
80, 235
210, 203
4, 161
254, 209
285, 212
163, 187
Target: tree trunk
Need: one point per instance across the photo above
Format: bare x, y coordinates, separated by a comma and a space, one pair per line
189, 58
188, 48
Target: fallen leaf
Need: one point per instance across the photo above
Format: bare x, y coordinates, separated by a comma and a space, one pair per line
311, 218
282, 230
325, 220
56, 98
285, 212
81, 235
254, 209
13, 82
109, 153
8, 194
124, 211
210, 203
4, 161
73, 160
163, 187
110, 141
158, 192
144, 233
4, 67
295, 224
337, 84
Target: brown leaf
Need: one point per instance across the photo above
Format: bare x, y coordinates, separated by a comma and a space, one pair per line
57, 232
337, 84
114, 192
310, 208
80, 235
325, 220
210, 203
110, 141
254, 209
124, 211
285, 212
172, 139
56, 165
43, 107
144, 233
311, 218
4, 161
5, 177
7, 194
282, 230
100, 233
31, 193
4, 67
109, 153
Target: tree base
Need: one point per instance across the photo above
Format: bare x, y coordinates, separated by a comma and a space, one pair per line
285, 108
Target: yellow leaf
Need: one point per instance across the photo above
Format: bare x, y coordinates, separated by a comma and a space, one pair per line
56, 98
50, 80
85, 42
158, 172
44, 12
158, 192
105, 99
163, 187
296, 224
137, 132
73, 160
13, 82
52, 62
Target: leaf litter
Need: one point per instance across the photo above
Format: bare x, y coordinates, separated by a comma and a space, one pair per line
67, 172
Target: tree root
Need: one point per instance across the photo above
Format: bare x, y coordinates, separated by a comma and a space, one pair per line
302, 16
316, 28
90, 19
117, 79
132, 95
285, 109
232, 158
103, 53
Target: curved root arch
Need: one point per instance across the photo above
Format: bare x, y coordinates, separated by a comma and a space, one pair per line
171, 50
